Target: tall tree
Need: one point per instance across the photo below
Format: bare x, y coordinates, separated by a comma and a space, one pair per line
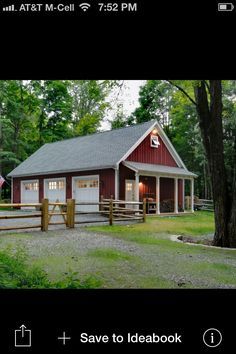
120, 120
155, 100
53, 109
89, 104
208, 102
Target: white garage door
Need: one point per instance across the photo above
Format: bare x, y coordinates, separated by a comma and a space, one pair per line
30, 191
55, 189
86, 189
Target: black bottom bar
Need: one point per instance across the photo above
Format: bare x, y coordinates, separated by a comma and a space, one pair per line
138, 314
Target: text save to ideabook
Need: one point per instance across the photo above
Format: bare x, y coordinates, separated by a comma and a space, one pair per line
131, 338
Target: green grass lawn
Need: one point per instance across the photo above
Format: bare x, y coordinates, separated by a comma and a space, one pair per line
131, 256
199, 223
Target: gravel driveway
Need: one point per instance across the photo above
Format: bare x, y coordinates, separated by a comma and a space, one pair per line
170, 264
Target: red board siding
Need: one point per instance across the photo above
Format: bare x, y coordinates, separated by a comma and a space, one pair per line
147, 154
147, 187
106, 179
180, 192
166, 188
16, 190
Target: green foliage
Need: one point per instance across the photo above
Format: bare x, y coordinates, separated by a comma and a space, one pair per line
36, 112
87, 125
72, 282
14, 273
155, 102
17, 274
89, 104
120, 120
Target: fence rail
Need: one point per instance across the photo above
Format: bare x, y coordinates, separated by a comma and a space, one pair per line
110, 209
204, 204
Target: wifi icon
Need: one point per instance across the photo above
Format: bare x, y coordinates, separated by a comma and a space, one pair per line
85, 6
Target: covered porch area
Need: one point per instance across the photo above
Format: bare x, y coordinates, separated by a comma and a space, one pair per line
162, 187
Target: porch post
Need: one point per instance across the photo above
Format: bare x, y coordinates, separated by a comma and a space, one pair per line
176, 196
183, 201
136, 189
116, 183
192, 195
158, 194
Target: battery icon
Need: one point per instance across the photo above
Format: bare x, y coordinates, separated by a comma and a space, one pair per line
226, 6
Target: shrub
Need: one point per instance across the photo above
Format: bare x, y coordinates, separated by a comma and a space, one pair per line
15, 273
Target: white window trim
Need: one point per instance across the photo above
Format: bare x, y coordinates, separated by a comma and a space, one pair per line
76, 178
154, 146
22, 182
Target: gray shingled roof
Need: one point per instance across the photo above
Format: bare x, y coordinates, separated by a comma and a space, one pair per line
158, 169
96, 151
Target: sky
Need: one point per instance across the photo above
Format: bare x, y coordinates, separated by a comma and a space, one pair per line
127, 96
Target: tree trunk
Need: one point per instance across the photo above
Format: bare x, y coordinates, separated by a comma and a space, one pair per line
1, 149
210, 121
232, 222
205, 181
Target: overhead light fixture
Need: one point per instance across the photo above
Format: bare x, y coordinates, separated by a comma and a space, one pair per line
154, 131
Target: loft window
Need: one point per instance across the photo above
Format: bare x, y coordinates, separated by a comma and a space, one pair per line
154, 141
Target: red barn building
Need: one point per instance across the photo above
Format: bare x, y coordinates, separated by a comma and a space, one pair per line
130, 163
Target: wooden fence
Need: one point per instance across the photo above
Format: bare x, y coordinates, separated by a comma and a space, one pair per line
204, 204
112, 210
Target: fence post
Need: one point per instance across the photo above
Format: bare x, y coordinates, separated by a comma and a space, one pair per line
101, 205
44, 215
144, 210
70, 217
187, 202
68, 212
111, 212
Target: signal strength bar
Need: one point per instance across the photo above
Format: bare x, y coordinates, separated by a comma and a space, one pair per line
9, 8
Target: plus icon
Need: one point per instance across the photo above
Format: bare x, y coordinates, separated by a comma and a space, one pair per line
64, 338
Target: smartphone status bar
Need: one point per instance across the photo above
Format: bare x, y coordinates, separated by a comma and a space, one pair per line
78, 7
118, 7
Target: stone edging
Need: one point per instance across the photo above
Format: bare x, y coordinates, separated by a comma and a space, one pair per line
175, 239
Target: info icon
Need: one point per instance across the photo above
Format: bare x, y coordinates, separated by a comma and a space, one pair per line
212, 337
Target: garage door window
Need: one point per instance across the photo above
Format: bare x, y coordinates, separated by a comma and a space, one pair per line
87, 183
55, 185
33, 186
